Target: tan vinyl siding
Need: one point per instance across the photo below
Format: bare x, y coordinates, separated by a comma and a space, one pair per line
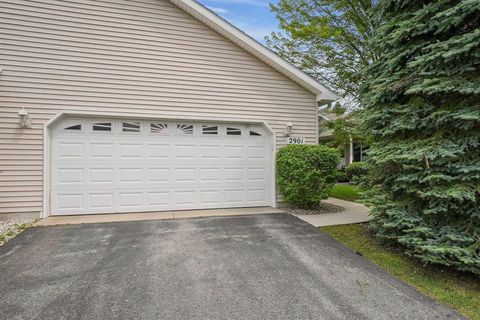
144, 57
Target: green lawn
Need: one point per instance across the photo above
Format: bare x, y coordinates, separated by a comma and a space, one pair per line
345, 192
458, 290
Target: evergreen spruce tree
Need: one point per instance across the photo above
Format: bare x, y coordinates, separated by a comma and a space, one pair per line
423, 114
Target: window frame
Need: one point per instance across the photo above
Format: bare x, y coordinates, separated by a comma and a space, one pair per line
121, 128
168, 128
70, 123
260, 132
217, 132
184, 123
94, 121
241, 129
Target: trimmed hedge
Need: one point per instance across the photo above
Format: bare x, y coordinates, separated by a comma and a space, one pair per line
306, 173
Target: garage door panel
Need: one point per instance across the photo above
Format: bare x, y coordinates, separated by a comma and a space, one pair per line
257, 174
130, 150
234, 174
101, 176
101, 201
130, 200
158, 199
185, 151
184, 166
256, 196
233, 196
130, 175
185, 175
102, 150
256, 152
212, 174
234, 152
158, 175
69, 176
69, 201
69, 150
210, 197
185, 198
158, 151
210, 152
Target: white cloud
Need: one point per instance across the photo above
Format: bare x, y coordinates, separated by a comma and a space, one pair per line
218, 10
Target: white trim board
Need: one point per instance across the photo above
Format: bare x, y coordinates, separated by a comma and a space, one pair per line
249, 44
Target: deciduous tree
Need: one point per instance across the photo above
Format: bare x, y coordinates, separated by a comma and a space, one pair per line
327, 39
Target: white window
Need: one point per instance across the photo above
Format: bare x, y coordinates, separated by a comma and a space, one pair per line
185, 129
254, 133
102, 126
210, 130
159, 128
71, 125
131, 126
75, 127
232, 131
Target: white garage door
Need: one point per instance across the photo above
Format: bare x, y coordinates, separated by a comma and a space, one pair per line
116, 165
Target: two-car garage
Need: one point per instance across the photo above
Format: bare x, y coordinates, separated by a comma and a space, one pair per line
116, 165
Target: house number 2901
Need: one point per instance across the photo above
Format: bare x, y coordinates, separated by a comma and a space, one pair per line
295, 140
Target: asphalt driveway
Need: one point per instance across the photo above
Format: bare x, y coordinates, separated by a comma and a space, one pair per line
247, 267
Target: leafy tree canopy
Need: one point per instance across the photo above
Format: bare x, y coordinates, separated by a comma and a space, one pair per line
327, 39
344, 128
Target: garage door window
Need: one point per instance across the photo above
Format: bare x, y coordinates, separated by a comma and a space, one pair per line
102, 126
75, 127
185, 129
232, 131
159, 128
71, 126
210, 130
131, 126
254, 133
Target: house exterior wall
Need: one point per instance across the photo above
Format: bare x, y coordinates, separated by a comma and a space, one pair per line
142, 57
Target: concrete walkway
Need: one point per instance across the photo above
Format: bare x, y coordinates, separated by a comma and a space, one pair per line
142, 216
354, 213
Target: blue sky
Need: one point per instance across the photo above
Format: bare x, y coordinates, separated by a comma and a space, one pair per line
251, 16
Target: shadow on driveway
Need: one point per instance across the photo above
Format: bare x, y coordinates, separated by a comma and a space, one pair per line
271, 266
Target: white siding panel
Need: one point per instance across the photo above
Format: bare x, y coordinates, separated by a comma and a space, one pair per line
146, 58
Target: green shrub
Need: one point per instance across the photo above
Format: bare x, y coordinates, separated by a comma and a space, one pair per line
356, 170
306, 173
342, 176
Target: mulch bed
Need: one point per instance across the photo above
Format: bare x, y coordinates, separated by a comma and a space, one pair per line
322, 208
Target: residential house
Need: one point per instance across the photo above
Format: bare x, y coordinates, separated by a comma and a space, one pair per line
350, 152
129, 106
